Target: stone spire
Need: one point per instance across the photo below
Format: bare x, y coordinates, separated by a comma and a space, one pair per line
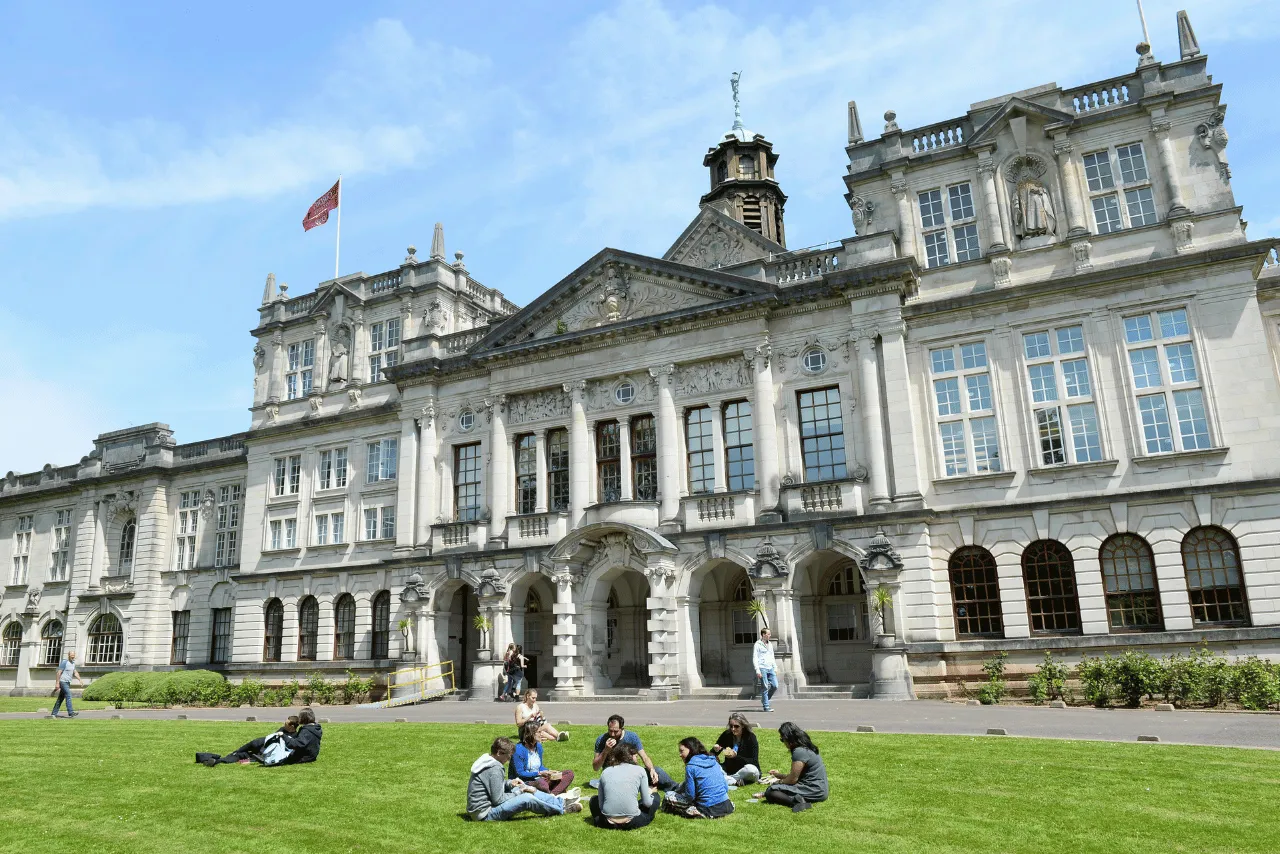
437, 243
855, 124
269, 292
1187, 37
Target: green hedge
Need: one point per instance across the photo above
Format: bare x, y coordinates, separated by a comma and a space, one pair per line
206, 688
1197, 678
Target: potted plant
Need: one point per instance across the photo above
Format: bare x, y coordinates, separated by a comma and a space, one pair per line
757, 611
882, 601
483, 625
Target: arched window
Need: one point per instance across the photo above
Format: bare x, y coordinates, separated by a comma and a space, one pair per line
747, 166
11, 644
1050, 575
344, 628
51, 643
382, 625
722, 172
308, 627
846, 606
106, 640
744, 622
1129, 579
975, 593
273, 635
1212, 563
127, 536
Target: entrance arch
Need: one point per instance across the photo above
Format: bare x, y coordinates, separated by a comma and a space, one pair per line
456, 635
834, 628
617, 621
532, 627
726, 629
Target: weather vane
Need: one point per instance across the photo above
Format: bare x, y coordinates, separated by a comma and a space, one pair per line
737, 106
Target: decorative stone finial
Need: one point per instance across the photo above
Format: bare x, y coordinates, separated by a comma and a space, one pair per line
855, 124
1144, 54
457, 261
437, 243
890, 121
269, 293
1187, 43
284, 291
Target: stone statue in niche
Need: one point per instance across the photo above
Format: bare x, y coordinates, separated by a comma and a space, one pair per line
1033, 212
338, 359
615, 291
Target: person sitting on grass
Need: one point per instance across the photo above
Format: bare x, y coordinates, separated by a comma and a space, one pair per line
739, 750
529, 710
618, 734
296, 742
492, 797
527, 764
807, 782
622, 782
704, 793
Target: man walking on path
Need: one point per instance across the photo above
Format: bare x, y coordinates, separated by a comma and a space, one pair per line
66, 672
766, 671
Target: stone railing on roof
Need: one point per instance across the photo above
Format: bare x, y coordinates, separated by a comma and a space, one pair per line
946, 134
211, 448
1103, 95
382, 282
460, 342
803, 264
300, 305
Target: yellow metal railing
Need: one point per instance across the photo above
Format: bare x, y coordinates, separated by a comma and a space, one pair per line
418, 683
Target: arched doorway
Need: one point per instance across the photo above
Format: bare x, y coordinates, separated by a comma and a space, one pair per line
726, 629
533, 628
835, 627
456, 634
618, 638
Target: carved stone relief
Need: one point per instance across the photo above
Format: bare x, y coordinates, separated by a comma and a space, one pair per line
714, 247
863, 210
707, 377
788, 359
599, 393
537, 406
619, 296
1213, 136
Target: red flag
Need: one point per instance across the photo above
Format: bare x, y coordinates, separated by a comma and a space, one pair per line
318, 214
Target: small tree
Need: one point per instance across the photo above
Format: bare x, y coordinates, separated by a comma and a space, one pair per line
882, 600
757, 611
483, 625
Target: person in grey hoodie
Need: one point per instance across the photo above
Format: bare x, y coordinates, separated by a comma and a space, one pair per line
492, 797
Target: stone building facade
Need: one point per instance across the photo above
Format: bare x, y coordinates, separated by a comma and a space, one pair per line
1034, 398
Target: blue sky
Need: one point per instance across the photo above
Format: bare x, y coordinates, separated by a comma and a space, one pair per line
156, 158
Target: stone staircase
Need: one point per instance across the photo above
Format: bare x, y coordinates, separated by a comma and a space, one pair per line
857, 691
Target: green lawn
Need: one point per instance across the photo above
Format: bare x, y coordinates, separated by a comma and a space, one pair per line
30, 704
133, 786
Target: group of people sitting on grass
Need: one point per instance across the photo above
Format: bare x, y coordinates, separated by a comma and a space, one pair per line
513, 778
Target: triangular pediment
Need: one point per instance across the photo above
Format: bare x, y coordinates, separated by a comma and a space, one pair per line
324, 296
616, 288
713, 240
1012, 109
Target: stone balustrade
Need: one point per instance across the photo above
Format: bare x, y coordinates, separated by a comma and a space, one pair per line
718, 510
460, 342
300, 305
945, 135
803, 265
818, 499
226, 446
537, 529
457, 536
1104, 95
383, 282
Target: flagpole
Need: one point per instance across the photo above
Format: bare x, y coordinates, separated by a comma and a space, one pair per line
337, 241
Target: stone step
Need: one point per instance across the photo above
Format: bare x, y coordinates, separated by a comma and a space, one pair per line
722, 692
859, 691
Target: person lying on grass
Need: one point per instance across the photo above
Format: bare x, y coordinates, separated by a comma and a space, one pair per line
621, 782
296, 742
739, 750
529, 710
527, 764
617, 734
807, 782
492, 797
704, 793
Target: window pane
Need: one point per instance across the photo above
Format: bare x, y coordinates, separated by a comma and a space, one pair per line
1049, 574
1129, 579
986, 448
1036, 345
1193, 426
822, 434
979, 386
371, 523
975, 593
961, 201
701, 456
739, 450
1213, 577
943, 361
1138, 329
1173, 323
1097, 170
1182, 363
1049, 427
935, 249
973, 355
1155, 424
1044, 383
1070, 340
1084, 432
1106, 213
1146, 367
1075, 377
374, 462
1133, 165
967, 243
931, 208
390, 455
954, 458
1141, 207
948, 394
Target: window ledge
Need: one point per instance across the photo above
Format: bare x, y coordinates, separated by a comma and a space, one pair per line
327, 547
60, 583
289, 551
974, 480
1073, 470
22, 586
1180, 458
332, 492
379, 487
381, 541
284, 500
629, 502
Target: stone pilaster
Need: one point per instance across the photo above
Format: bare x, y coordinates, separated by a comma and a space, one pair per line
568, 638
407, 483
906, 219
663, 627
1160, 127
579, 470
668, 456
765, 431
1069, 180
428, 488
540, 467
872, 420
499, 467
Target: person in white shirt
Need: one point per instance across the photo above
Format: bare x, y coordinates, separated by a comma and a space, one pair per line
766, 670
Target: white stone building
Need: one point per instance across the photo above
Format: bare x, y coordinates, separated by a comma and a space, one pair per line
1046, 367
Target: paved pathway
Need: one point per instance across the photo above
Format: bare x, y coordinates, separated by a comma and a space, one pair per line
921, 716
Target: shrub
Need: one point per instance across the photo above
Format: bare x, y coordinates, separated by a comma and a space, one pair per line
1135, 675
319, 690
1255, 684
995, 687
355, 689
1216, 681
288, 691
248, 692
1096, 680
161, 688
1049, 682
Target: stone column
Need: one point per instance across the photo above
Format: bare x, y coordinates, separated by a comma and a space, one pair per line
688, 625
428, 501
1069, 180
28, 649
406, 312
765, 430
446, 487
872, 424
320, 370
906, 219
358, 370
407, 482
717, 448
668, 473
627, 488
540, 466
579, 472
568, 631
991, 205
1160, 126
663, 627
499, 475
906, 476
275, 382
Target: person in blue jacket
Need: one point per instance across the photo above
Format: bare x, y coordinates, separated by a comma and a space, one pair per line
704, 793
526, 763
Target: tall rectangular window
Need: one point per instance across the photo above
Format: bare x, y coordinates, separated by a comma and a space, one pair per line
276, 540
60, 563
226, 541
822, 434
558, 470
22, 549
739, 448
1062, 401
220, 646
466, 482
608, 462
333, 469
965, 409
295, 474
290, 533
301, 364
1166, 382
644, 458
181, 630
384, 347
188, 515
322, 529
699, 451
526, 473
380, 523
279, 476
381, 460
950, 230
1134, 186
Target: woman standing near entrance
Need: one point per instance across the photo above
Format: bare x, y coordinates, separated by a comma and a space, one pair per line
529, 710
508, 664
